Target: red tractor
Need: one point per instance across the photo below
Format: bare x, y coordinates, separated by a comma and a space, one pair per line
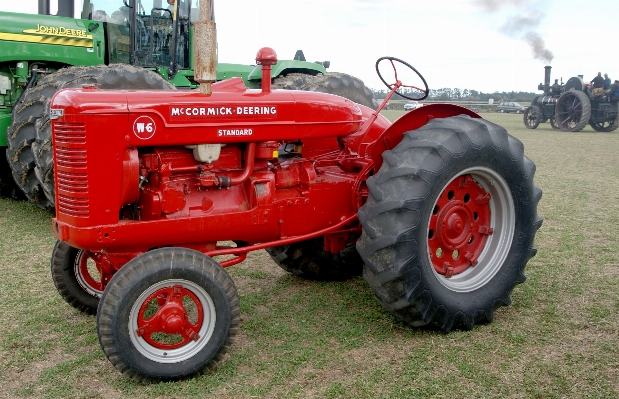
437, 210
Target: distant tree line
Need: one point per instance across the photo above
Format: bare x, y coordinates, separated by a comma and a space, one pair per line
449, 94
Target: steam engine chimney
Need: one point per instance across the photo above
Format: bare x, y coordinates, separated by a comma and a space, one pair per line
547, 79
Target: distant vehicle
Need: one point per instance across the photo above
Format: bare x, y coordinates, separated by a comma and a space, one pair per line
412, 105
510, 107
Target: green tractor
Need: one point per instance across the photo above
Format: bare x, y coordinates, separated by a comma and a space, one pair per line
128, 44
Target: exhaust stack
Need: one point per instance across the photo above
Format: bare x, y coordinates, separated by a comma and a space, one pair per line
547, 79
205, 47
44, 7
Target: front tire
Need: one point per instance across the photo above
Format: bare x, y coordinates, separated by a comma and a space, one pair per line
531, 117
168, 314
449, 223
309, 260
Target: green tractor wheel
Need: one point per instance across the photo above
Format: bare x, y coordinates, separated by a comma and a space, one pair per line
340, 84
22, 134
117, 76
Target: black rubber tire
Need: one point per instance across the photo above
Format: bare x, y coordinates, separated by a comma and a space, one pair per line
116, 76
22, 134
64, 274
396, 219
573, 111
531, 117
340, 84
161, 268
309, 260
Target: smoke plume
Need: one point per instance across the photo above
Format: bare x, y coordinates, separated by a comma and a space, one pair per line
493, 5
522, 26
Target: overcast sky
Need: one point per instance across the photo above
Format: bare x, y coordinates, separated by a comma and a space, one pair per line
484, 45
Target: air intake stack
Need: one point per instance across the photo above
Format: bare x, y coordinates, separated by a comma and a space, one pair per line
205, 47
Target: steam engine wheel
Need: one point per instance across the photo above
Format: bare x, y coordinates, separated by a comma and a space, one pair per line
531, 117
573, 111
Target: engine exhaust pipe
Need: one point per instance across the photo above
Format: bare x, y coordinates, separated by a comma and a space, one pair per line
205, 47
66, 9
44, 7
547, 79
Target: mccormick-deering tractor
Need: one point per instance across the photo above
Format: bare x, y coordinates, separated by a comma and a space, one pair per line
437, 210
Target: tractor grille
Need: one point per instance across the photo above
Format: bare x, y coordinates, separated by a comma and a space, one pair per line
71, 168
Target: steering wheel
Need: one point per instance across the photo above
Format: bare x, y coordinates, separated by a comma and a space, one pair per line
425, 91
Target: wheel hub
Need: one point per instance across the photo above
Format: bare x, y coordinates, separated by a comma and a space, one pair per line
163, 319
455, 225
173, 324
459, 226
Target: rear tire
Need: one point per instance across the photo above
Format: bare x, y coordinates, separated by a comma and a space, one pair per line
308, 259
428, 221
118, 76
340, 84
573, 111
152, 307
22, 134
74, 284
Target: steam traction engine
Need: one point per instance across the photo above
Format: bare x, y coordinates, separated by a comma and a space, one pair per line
543, 107
569, 107
438, 209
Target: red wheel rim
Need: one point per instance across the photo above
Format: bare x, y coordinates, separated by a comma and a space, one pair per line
171, 318
459, 226
92, 285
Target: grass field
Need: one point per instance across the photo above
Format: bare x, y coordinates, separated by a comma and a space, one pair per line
302, 339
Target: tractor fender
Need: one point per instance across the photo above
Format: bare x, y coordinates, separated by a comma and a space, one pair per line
410, 121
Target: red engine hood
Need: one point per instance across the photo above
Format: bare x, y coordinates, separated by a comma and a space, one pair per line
231, 113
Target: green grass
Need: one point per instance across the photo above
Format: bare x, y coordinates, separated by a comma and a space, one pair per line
301, 339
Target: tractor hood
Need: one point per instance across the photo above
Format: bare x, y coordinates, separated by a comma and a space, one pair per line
230, 114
